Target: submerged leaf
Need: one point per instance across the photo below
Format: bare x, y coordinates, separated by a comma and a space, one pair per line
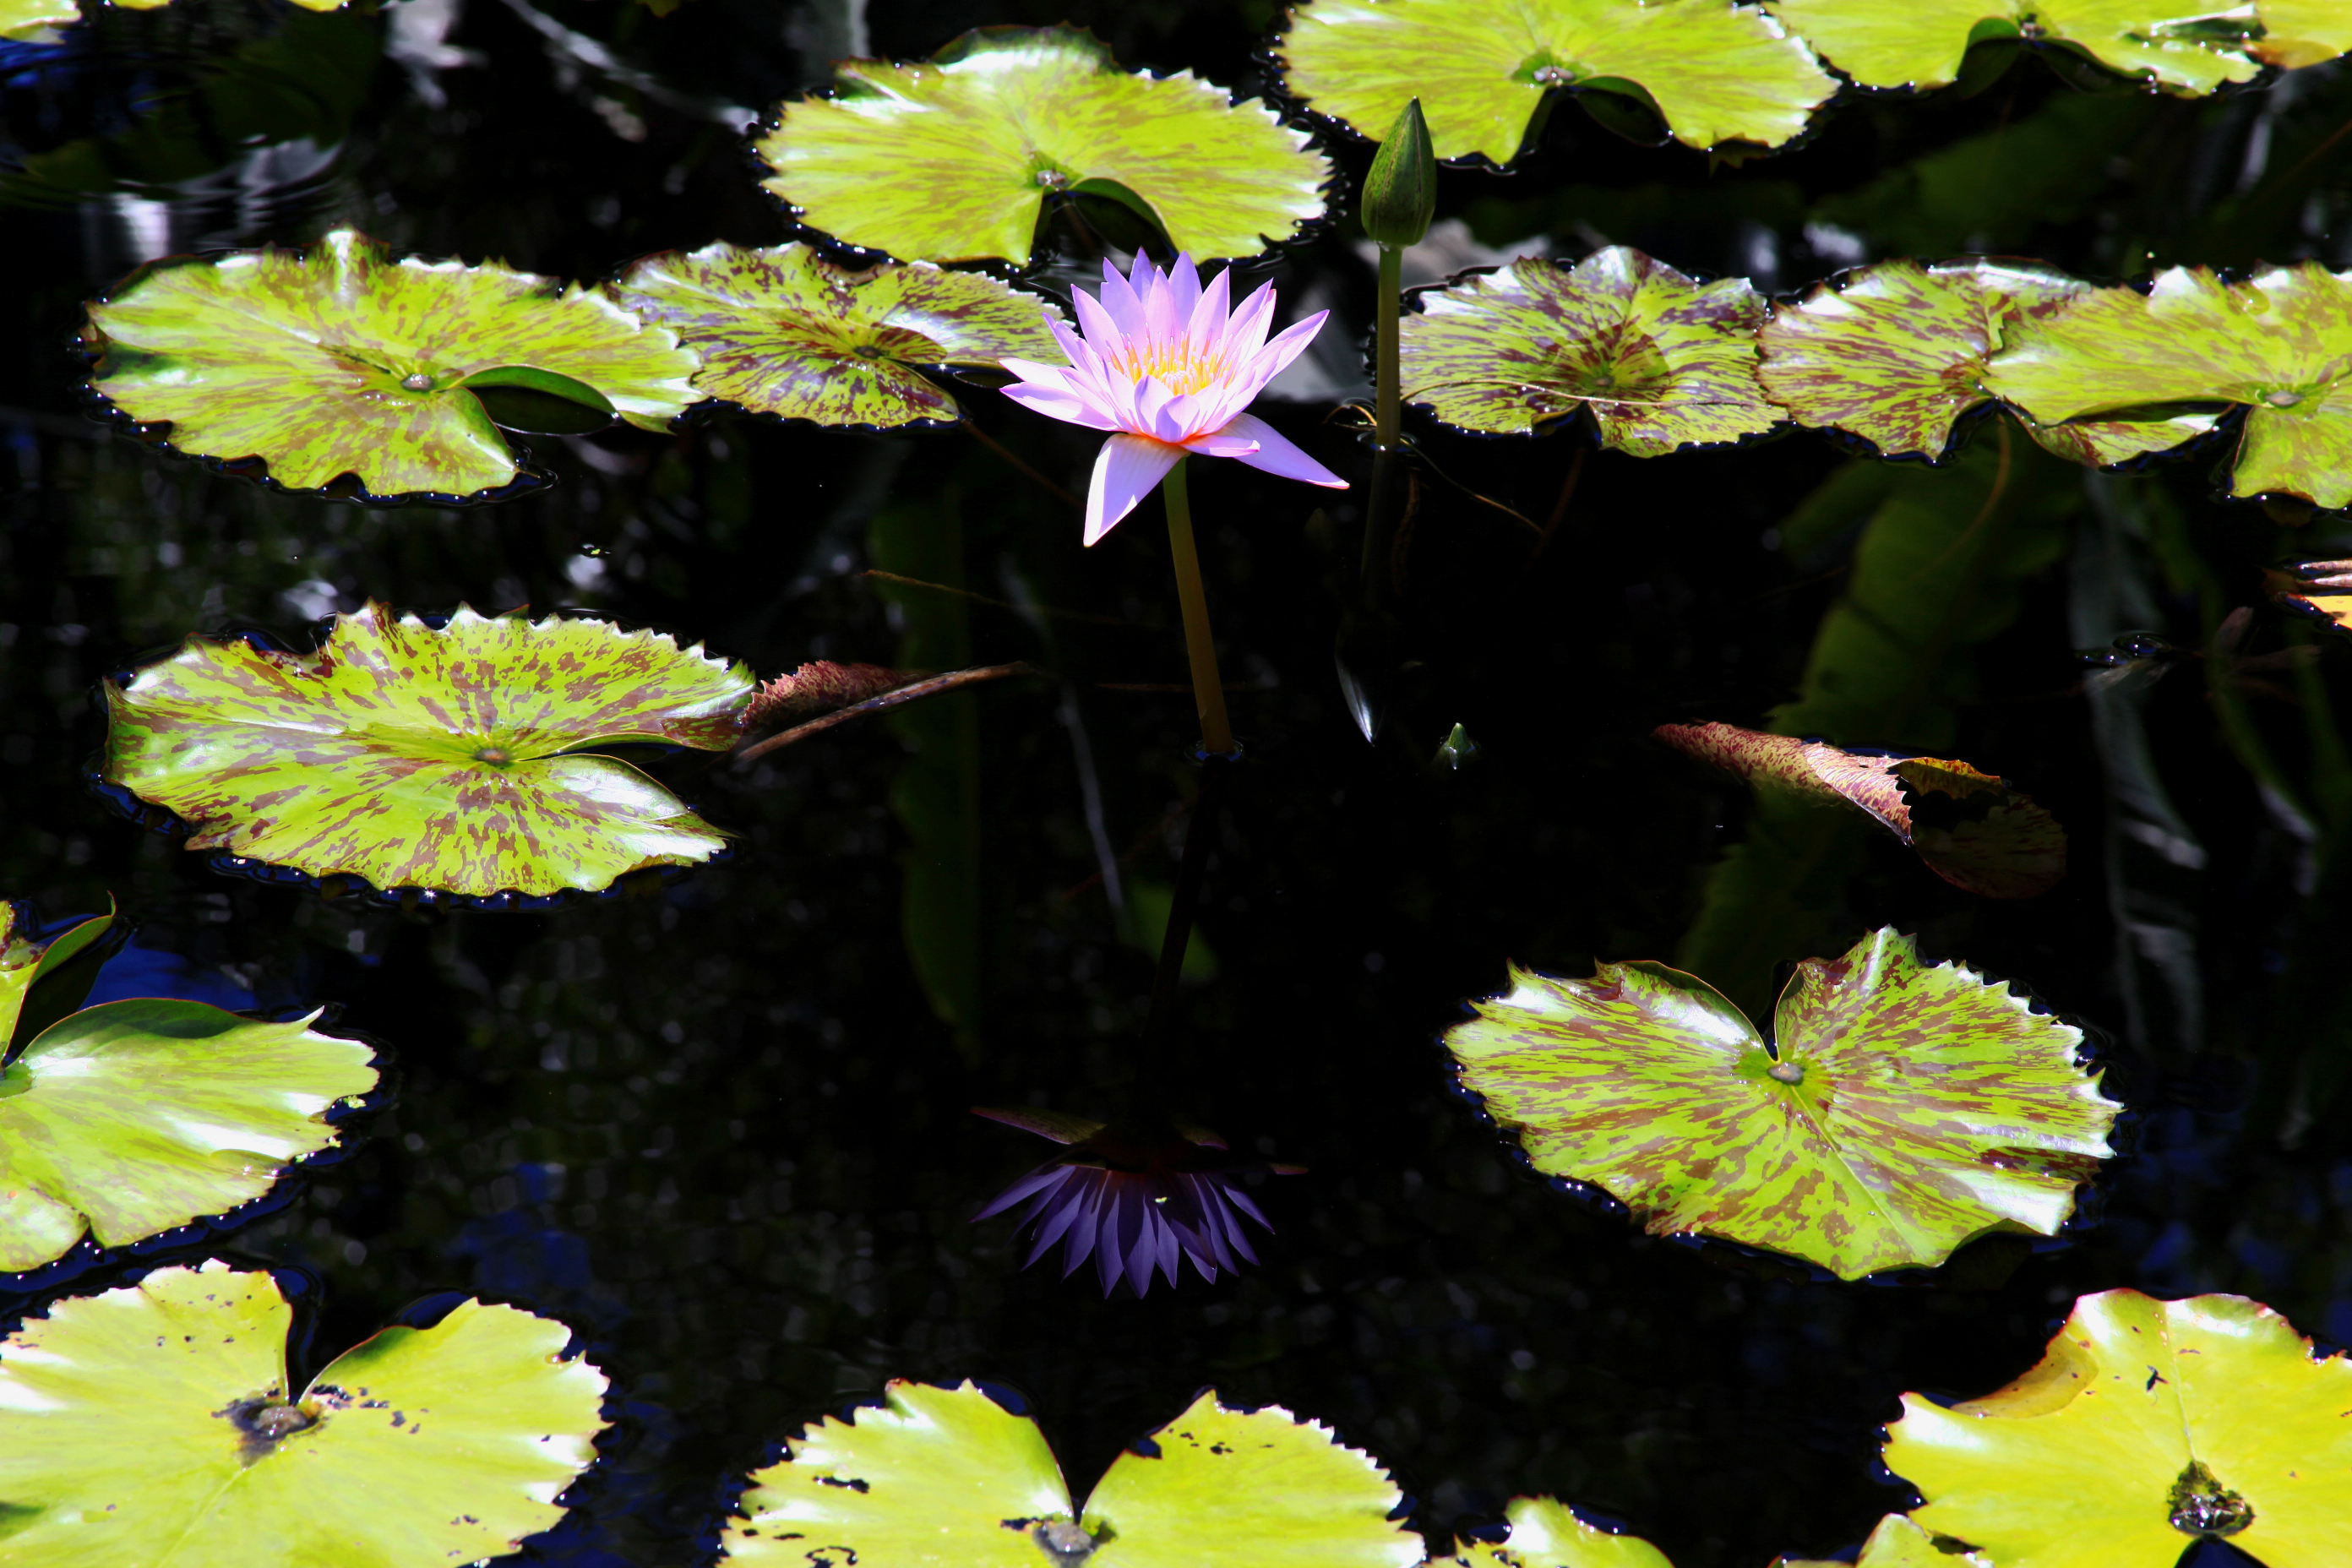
1546, 1533
1902, 1109
155, 1424
785, 332
2280, 343
24, 960
342, 361
445, 758
1662, 361
953, 158
1972, 829
2148, 1425
1716, 72
1919, 43
130, 1118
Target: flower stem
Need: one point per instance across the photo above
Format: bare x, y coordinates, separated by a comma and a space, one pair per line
1207, 690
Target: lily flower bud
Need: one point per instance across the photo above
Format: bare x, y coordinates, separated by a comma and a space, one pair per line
1401, 190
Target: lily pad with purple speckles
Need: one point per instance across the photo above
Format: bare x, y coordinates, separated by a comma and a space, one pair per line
1661, 359
2184, 49
1901, 1110
785, 332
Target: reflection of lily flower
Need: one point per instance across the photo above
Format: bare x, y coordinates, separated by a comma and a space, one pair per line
1169, 368
1136, 1195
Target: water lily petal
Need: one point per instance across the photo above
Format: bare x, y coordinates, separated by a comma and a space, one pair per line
1244, 335
1184, 287
1276, 455
1067, 407
1224, 443
1126, 470
1270, 361
1119, 298
1100, 328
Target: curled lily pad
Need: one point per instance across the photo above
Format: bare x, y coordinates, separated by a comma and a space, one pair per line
785, 332
1715, 72
342, 360
2298, 33
410, 756
1971, 830
25, 958
2147, 1426
953, 158
129, 1118
156, 1423
1897, 1543
1919, 43
2280, 343
1895, 354
948, 1477
1902, 1109
1546, 1533
1661, 359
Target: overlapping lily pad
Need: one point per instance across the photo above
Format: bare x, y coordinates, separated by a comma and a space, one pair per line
1895, 354
1716, 73
2280, 343
948, 1477
785, 332
1897, 1543
1546, 1533
342, 365
2147, 1426
450, 758
156, 1423
1970, 828
23, 19
1661, 361
1902, 1110
2188, 49
25, 958
2298, 33
953, 158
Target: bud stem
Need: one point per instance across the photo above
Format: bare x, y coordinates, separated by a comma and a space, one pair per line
1391, 308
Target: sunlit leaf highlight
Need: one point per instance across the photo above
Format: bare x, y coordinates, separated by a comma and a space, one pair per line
2148, 1425
2187, 50
25, 19
955, 157
155, 1425
1902, 1110
1546, 1533
2298, 33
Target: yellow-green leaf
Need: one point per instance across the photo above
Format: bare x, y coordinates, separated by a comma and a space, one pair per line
1919, 43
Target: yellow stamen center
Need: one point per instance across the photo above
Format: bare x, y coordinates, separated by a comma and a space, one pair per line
1180, 366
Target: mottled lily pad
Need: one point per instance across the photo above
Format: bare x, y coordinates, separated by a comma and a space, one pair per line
1895, 354
2280, 343
1902, 1110
1715, 72
1660, 360
133, 1118
25, 958
342, 360
785, 332
953, 158
1919, 43
155, 1424
1970, 828
947, 1477
2148, 1425
1899, 1543
1546, 1533
409, 755
2297, 33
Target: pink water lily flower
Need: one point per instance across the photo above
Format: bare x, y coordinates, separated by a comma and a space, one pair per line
1170, 368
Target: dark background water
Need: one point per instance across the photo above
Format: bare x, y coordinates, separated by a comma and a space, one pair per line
720, 1124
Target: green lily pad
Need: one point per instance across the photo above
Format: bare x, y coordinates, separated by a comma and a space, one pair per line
1660, 360
1902, 1109
153, 1424
2297, 33
785, 332
1546, 1533
1969, 828
1895, 354
2148, 1425
24, 960
342, 360
23, 19
1899, 1543
1715, 72
947, 1477
133, 1118
1919, 43
952, 158
410, 756
2280, 343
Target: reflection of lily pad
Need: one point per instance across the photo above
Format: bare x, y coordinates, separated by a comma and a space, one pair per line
2303, 32
1899, 1543
1971, 830
1546, 1533
444, 758
24, 960
785, 332
129, 1119
1895, 354
1919, 43
2280, 342
1716, 72
153, 1425
2148, 1424
344, 360
946, 1478
1662, 361
1902, 1109
952, 158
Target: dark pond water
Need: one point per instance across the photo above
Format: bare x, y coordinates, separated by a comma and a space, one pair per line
720, 1124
